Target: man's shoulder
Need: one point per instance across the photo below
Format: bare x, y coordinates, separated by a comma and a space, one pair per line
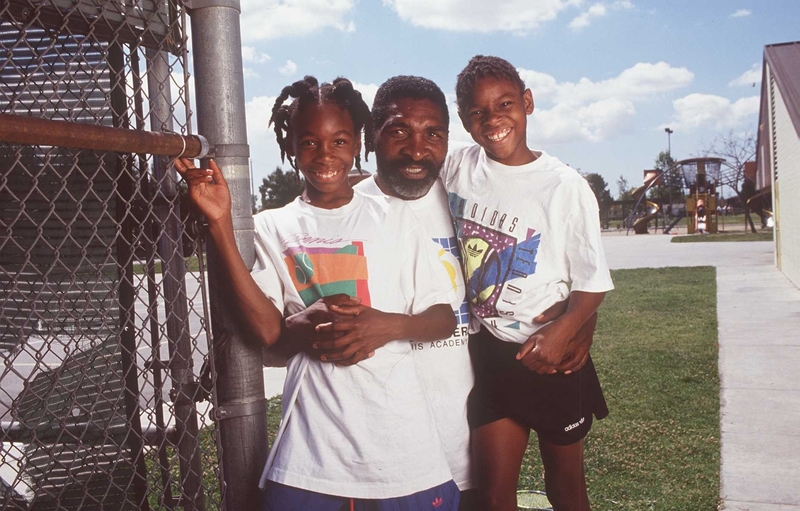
369, 186
460, 157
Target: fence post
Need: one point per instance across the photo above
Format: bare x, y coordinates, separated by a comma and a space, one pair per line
216, 42
170, 248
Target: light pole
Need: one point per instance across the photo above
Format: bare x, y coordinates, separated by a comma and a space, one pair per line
670, 169
669, 142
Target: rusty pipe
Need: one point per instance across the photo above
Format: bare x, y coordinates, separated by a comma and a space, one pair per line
25, 130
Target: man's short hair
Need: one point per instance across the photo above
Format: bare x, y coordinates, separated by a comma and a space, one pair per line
481, 66
403, 86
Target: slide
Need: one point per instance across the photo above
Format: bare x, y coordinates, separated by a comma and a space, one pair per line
638, 219
640, 224
675, 222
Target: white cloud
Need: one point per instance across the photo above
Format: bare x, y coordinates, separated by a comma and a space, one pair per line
597, 10
748, 78
589, 110
249, 72
252, 55
368, 91
585, 18
741, 13
594, 121
258, 111
289, 68
264, 151
272, 19
480, 15
696, 110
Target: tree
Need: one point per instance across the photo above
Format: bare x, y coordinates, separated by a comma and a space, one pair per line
623, 189
671, 187
736, 149
600, 189
280, 188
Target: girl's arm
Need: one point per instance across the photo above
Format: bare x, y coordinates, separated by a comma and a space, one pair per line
209, 191
372, 329
545, 349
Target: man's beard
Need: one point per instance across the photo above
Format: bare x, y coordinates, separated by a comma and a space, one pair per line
401, 186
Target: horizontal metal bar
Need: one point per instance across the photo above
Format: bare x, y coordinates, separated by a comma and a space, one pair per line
16, 432
25, 130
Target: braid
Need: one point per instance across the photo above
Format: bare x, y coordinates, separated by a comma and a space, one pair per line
350, 99
307, 90
282, 114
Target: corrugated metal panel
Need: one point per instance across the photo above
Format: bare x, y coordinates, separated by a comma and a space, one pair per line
149, 23
784, 63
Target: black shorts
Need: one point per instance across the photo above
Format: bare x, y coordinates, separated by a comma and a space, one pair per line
559, 407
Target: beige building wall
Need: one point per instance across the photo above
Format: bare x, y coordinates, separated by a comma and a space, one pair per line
786, 186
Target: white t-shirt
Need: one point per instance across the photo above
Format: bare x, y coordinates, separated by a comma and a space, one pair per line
362, 431
528, 235
444, 365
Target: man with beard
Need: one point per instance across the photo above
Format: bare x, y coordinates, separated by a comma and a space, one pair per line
411, 121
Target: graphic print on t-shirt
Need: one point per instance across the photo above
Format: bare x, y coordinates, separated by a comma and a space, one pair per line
323, 271
492, 260
450, 246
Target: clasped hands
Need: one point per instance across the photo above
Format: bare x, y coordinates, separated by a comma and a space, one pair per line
338, 329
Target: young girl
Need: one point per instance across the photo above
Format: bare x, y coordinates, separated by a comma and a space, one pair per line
361, 436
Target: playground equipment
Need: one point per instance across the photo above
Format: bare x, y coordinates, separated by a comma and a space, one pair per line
640, 217
701, 176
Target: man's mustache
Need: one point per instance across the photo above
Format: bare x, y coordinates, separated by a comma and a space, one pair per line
425, 163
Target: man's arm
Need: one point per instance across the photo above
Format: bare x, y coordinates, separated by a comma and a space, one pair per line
577, 352
371, 329
546, 349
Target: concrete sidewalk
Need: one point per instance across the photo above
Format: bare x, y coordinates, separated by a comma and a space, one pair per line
758, 311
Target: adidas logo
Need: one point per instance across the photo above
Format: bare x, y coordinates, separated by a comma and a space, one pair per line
473, 250
573, 426
437, 502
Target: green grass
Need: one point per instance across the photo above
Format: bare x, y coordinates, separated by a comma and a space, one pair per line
738, 236
656, 353
192, 265
209, 462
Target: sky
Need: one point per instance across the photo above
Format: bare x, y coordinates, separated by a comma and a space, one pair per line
607, 76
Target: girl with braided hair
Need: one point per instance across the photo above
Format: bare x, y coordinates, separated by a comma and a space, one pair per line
357, 431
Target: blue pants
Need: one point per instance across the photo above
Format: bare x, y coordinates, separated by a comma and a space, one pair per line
279, 497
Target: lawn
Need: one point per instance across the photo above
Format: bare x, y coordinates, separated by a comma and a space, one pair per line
192, 265
656, 353
738, 236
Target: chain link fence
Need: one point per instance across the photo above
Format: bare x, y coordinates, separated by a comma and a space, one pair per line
105, 373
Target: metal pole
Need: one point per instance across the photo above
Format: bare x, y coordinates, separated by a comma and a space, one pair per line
671, 170
127, 293
221, 118
25, 130
170, 248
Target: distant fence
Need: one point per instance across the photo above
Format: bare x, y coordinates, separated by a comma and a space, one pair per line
104, 333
